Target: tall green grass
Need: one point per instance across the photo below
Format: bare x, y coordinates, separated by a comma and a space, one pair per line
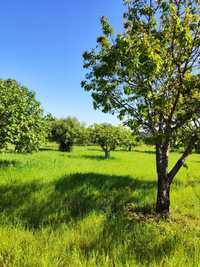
76, 209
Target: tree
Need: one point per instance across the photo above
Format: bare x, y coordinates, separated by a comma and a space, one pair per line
127, 139
181, 137
84, 136
22, 119
106, 136
65, 132
149, 76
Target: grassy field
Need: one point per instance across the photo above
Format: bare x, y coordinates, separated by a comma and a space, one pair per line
76, 209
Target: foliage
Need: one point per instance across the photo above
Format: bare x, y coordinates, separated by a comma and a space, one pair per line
65, 132
181, 138
107, 136
149, 76
49, 120
22, 120
84, 136
128, 139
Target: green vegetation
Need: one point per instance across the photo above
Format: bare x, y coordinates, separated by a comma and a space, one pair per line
109, 137
65, 132
148, 75
22, 121
77, 210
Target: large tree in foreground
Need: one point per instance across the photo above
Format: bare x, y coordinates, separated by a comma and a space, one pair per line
21, 117
149, 75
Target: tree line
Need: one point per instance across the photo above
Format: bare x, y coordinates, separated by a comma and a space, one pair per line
25, 126
69, 131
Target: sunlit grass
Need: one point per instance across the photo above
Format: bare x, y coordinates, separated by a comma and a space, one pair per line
71, 209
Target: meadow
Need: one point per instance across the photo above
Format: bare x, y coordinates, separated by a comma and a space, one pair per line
77, 209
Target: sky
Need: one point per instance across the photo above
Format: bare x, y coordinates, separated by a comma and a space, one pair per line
42, 42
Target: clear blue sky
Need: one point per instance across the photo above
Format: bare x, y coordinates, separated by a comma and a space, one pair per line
41, 46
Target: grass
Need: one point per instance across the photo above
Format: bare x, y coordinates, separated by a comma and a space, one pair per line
76, 209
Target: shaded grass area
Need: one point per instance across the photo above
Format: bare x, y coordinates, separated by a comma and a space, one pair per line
58, 209
71, 198
7, 163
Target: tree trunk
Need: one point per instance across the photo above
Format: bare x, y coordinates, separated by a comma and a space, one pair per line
62, 147
69, 146
65, 147
163, 197
165, 178
107, 154
163, 193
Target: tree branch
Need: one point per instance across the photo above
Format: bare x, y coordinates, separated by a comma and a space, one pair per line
182, 159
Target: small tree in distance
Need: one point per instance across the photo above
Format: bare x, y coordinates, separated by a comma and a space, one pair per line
107, 136
84, 136
65, 132
128, 140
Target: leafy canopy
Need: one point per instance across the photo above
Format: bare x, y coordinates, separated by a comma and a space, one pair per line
21, 117
149, 73
66, 132
128, 139
106, 136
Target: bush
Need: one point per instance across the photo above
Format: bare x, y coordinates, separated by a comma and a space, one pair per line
65, 132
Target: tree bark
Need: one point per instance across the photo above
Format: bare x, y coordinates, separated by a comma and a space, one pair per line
163, 197
165, 178
65, 147
163, 193
107, 154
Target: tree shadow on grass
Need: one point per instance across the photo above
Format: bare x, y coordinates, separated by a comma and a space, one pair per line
48, 149
100, 192
144, 151
72, 198
90, 148
91, 157
110, 195
8, 163
14, 195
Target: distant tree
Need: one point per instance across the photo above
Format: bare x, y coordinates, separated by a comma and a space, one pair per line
84, 136
21, 117
107, 136
147, 138
49, 121
127, 139
149, 76
65, 132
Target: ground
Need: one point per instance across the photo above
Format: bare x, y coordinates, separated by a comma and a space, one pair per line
77, 209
